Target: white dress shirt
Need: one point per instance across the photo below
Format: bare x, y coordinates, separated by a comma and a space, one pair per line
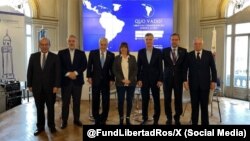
125, 67
149, 54
196, 52
72, 53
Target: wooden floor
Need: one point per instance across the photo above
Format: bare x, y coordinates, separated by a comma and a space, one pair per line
19, 123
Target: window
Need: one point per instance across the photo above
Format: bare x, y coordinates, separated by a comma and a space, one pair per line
242, 28
28, 42
237, 63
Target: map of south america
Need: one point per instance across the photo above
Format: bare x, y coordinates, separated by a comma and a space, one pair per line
113, 26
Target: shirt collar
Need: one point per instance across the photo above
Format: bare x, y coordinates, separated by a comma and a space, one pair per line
103, 52
176, 48
45, 53
71, 50
149, 49
127, 56
198, 51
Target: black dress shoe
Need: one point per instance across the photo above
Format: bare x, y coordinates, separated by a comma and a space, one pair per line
38, 131
144, 122
128, 121
52, 130
155, 123
103, 123
177, 123
169, 122
78, 123
63, 125
97, 123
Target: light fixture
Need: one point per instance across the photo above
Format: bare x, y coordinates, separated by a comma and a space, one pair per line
18, 2
238, 4
14, 3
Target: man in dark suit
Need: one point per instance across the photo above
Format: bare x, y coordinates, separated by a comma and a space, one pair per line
73, 63
43, 78
174, 61
202, 76
100, 76
150, 76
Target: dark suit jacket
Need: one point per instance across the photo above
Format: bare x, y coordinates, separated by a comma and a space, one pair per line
79, 65
176, 70
95, 70
201, 73
46, 78
117, 69
150, 73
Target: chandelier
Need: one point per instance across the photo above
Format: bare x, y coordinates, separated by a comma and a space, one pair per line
238, 4
13, 3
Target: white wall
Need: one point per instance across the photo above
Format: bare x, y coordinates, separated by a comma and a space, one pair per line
14, 26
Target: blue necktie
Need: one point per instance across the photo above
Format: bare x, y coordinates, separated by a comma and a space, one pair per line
102, 59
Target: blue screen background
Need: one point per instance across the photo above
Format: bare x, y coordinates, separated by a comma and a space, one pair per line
128, 16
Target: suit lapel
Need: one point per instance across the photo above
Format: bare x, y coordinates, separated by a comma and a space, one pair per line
106, 59
68, 57
75, 56
169, 55
120, 63
99, 58
179, 55
202, 55
193, 56
39, 60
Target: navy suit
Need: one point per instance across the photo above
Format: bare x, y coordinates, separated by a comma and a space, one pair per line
72, 87
173, 79
200, 74
150, 73
42, 82
101, 77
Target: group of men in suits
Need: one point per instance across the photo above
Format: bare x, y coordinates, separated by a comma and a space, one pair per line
47, 72
181, 69
196, 71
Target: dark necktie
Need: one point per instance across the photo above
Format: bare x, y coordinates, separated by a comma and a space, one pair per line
43, 60
198, 56
174, 56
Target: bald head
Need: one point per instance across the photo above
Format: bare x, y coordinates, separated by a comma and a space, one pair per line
198, 44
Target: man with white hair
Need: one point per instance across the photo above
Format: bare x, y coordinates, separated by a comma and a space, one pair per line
202, 76
43, 80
